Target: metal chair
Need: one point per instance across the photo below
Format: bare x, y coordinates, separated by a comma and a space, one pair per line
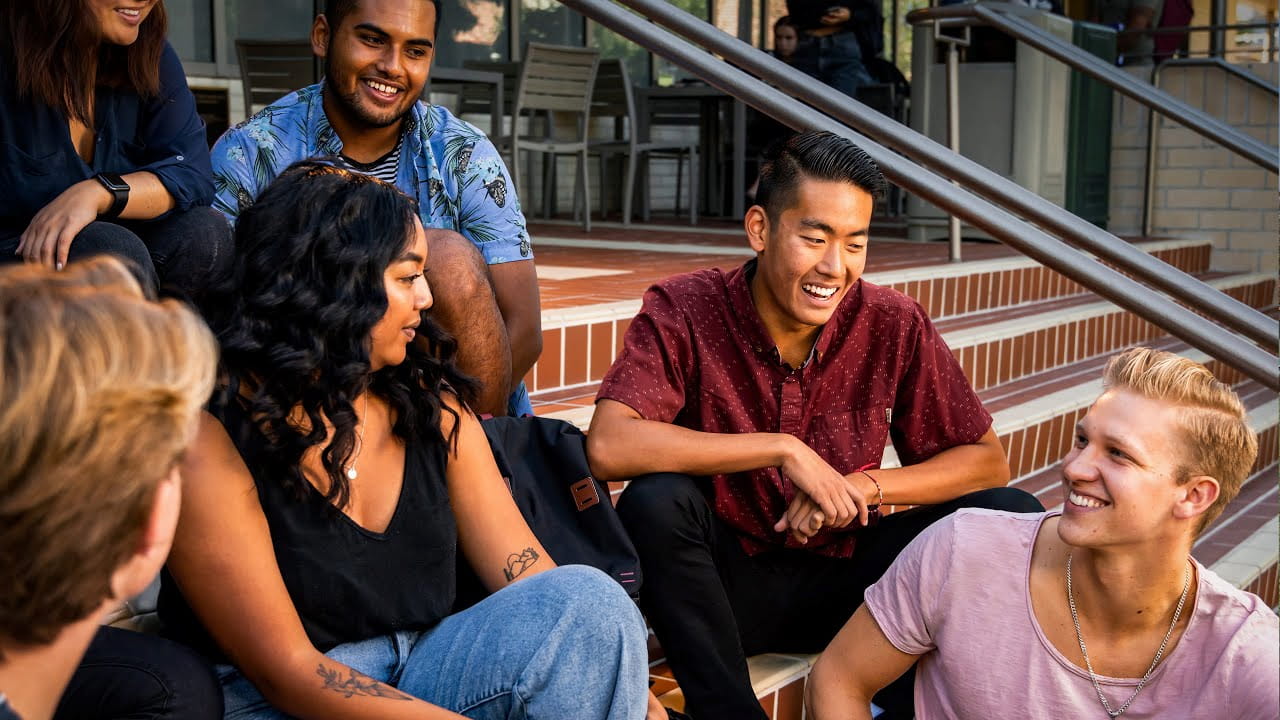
555, 80
270, 69
614, 97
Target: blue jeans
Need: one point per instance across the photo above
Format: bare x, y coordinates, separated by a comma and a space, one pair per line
181, 251
518, 404
567, 643
834, 59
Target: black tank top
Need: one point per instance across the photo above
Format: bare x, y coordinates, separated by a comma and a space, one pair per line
346, 582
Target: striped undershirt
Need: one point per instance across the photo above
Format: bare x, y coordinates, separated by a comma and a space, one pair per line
384, 168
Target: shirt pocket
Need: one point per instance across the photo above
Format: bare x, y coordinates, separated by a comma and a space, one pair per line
849, 440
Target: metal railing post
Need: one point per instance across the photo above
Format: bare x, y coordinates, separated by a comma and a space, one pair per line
1217, 37
953, 44
953, 136
1149, 178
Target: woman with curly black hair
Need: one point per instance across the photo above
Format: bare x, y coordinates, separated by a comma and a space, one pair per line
336, 477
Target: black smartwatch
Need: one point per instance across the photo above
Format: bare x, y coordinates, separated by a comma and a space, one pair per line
119, 190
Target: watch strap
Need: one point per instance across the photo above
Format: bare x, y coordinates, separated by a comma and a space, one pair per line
119, 190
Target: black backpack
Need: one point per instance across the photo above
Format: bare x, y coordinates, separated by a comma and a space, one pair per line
544, 462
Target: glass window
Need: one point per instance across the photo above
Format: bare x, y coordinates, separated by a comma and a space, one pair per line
547, 21
666, 72
472, 30
274, 20
613, 45
191, 29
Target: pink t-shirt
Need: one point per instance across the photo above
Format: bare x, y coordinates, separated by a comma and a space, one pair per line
968, 613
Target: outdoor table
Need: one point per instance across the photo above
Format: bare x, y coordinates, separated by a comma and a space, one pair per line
711, 101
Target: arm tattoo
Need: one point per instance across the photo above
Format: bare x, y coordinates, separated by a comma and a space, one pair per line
517, 564
357, 684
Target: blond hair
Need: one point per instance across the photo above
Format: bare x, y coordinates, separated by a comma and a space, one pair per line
99, 392
1214, 427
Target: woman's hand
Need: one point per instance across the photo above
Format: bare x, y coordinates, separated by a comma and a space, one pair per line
836, 15
47, 239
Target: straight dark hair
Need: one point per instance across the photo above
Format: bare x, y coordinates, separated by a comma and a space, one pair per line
48, 48
816, 155
336, 10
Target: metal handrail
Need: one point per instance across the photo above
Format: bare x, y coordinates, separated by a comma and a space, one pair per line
1194, 119
1031, 241
1232, 70
1153, 138
1215, 37
1188, 289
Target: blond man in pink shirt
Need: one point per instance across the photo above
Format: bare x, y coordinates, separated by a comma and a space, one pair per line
1098, 611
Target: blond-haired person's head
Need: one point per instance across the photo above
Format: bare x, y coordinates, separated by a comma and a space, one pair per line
1158, 456
99, 393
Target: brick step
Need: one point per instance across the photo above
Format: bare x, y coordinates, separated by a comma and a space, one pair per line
1004, 345
582, 336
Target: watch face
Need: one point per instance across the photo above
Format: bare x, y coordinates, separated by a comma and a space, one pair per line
113, 182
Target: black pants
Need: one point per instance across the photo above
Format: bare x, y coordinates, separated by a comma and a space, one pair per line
180, 252
712, 605
132, 676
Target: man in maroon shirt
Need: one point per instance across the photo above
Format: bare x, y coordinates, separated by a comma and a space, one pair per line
760, 400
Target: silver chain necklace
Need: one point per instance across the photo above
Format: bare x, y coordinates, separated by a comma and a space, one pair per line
1075, 619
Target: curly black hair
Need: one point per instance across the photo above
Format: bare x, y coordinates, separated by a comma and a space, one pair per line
294, 314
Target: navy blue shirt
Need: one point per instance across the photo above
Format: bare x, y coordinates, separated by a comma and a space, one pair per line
163, 135
7, 712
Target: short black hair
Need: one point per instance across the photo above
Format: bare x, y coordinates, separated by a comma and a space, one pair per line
335, 11
785, 21
817, 155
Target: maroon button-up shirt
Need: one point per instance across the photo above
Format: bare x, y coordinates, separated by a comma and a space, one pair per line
698, 355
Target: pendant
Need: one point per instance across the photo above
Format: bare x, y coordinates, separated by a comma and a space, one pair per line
351, 473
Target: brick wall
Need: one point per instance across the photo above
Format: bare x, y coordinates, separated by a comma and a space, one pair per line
1201, 190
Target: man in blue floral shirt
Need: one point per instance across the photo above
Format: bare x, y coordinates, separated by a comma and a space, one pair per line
377, 54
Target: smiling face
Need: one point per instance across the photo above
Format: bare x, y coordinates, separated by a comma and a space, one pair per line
376, 60
119, 20
1121, 478
809, 255
407, 296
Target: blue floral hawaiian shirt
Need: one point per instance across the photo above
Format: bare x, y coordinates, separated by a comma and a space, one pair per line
449, 166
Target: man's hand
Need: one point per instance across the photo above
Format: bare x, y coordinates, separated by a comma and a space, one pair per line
836, 15
803, 518
839, 500
47, 239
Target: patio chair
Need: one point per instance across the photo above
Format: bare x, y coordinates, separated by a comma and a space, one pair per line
555, 80
614, 97
270, 69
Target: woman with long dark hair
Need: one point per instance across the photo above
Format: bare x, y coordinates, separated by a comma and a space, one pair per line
338, 475
101, 147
